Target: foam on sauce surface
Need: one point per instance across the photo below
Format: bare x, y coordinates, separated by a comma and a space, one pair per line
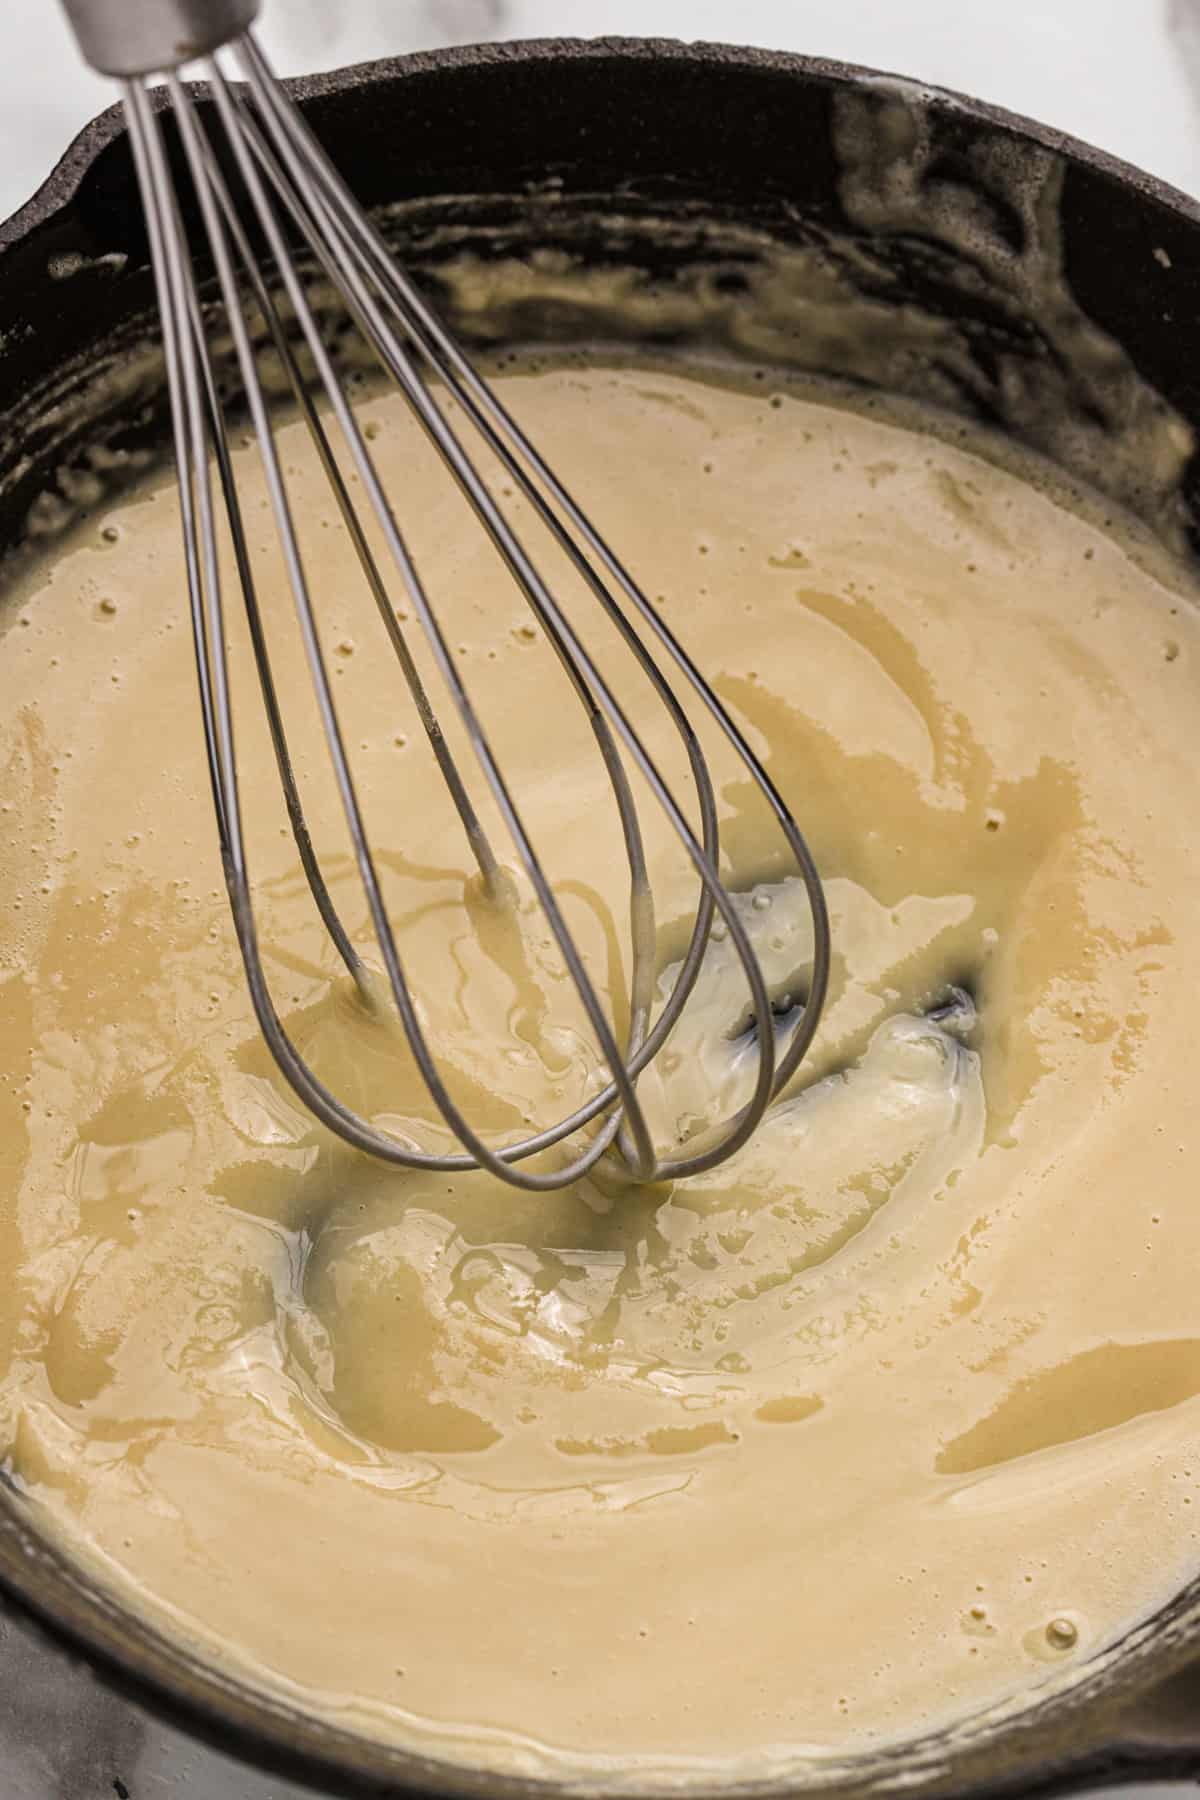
892, 1415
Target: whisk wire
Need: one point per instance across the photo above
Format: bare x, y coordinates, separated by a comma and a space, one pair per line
550, 615
475, 834
500, 431
185, 352
262, 660
348, 424
291, 187
641, 909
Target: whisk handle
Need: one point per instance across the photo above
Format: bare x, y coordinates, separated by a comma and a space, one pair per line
143, 37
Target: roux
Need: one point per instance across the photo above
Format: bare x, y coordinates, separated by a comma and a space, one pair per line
893, 1416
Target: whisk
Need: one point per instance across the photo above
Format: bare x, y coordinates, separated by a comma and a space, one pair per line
292, 201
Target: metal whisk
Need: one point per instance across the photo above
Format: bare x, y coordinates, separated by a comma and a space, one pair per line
289, 196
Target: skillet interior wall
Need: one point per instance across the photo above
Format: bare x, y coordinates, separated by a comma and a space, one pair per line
732, 200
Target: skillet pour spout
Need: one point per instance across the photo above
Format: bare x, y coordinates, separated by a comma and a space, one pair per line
997, 269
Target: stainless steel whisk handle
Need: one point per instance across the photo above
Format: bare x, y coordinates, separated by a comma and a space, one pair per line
127, 38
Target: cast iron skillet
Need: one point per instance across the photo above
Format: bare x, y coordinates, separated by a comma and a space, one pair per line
637, 130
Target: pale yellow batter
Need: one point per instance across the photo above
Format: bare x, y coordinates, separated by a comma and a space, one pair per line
892, 1416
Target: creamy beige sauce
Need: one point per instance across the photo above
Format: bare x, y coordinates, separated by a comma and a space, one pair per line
892, 1416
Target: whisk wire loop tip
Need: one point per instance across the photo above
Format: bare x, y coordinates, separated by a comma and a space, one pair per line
292, 201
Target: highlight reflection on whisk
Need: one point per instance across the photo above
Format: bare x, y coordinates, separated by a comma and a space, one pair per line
291, 196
